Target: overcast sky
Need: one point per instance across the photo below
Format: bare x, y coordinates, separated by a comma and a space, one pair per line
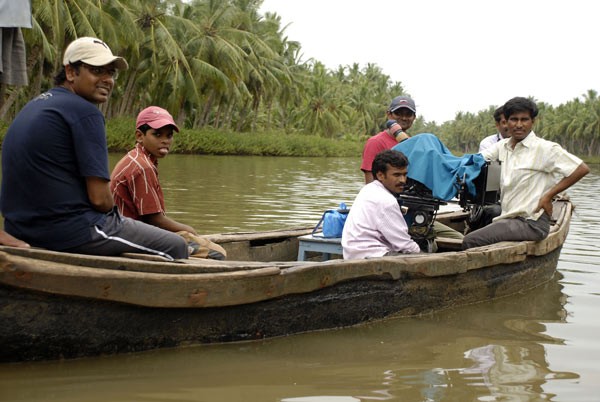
456, 55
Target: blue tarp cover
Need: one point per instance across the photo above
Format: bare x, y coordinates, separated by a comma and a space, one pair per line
432, 164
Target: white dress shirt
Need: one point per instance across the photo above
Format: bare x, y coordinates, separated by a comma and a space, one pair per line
489, 141
375, 225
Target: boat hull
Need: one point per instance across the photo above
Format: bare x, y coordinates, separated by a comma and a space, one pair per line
56, 305
38, 326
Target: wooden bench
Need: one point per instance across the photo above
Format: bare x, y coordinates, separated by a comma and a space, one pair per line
319, 244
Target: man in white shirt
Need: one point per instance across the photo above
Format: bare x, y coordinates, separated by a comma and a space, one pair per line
375, 225
531, 172
502, 133
489, 212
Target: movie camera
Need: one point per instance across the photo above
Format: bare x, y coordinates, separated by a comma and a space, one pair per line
420, 207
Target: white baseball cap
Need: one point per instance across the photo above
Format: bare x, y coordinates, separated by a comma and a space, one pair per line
92, 51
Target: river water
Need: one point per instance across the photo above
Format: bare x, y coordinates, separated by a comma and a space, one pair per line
542, 345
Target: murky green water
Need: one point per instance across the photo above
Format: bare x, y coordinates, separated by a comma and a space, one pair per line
230, 193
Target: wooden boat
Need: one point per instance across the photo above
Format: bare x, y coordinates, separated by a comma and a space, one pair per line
57, 305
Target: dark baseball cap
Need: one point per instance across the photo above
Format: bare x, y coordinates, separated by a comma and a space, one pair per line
402, 101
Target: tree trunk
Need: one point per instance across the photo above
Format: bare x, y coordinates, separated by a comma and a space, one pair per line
128, 95
207, 109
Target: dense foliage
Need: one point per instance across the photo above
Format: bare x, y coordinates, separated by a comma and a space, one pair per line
219, 66
121, 138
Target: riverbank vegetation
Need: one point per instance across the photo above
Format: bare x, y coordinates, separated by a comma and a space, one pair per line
121, 138
237, 84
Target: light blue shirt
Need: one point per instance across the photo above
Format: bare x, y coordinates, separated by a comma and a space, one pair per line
489, 141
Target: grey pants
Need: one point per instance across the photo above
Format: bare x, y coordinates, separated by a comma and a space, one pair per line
124, 235
510, 229
442, 230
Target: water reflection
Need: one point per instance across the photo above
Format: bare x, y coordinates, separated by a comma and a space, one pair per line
579, 261
483, 354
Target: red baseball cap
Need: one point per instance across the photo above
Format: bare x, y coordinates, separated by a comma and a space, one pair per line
156, 117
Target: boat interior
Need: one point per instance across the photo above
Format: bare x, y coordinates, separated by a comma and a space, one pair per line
421, 211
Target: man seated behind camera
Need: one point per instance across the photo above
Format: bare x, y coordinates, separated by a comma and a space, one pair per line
375, 226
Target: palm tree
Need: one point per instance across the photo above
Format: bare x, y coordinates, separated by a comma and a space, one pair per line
322, 109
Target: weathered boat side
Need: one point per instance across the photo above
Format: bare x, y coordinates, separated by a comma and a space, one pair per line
45, 326
81, 306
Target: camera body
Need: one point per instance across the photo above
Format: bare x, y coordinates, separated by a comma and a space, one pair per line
421, 209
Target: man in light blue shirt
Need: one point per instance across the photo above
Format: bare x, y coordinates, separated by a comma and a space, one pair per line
502, 133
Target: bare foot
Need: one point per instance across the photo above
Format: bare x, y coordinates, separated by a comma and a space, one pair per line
11, 241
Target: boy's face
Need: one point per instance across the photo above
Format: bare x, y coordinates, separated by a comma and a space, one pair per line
156, 142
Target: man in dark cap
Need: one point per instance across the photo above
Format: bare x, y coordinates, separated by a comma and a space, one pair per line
403, 111
401, 115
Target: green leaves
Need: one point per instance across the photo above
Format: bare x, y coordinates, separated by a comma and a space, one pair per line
219, 64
